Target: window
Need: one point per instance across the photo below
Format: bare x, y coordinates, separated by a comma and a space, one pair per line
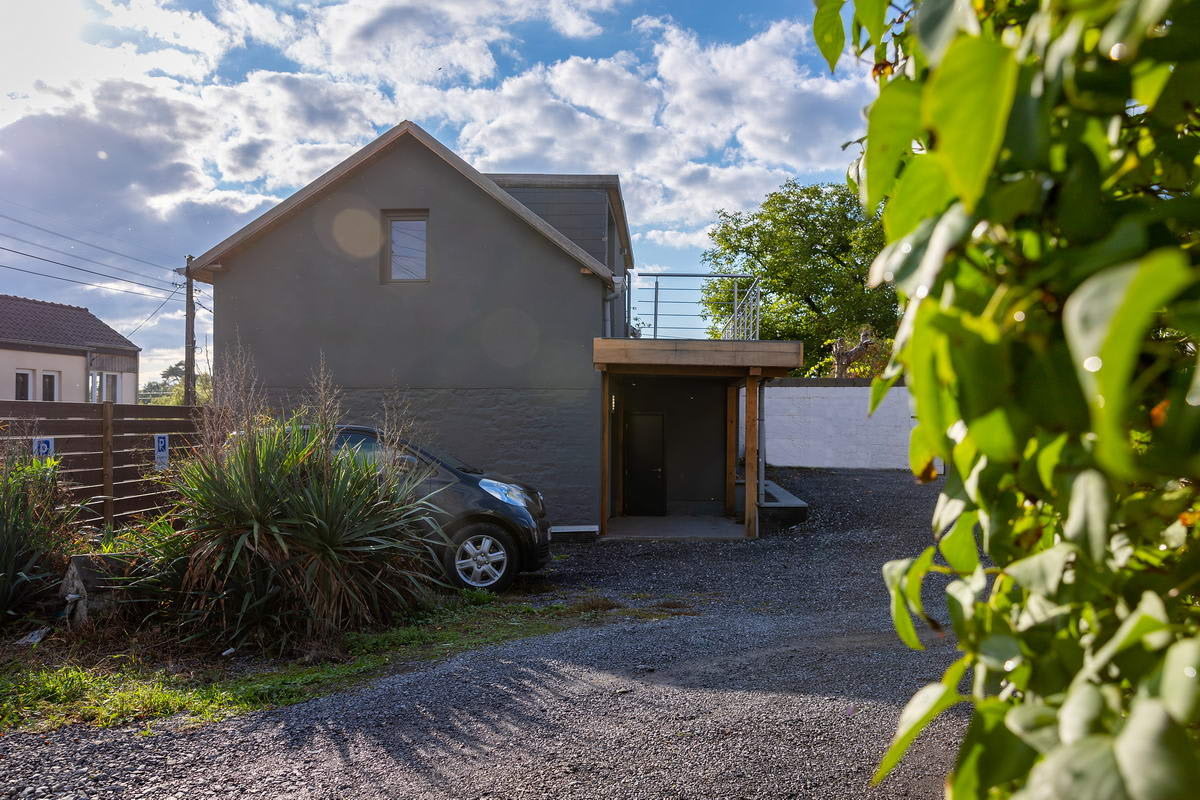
50, 385
104, 386
408, 246
24, 385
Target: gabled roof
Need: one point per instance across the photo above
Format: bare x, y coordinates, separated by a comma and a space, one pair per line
39, 322
203, 267
609, 183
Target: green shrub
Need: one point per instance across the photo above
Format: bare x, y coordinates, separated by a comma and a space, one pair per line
34, 516
286, 540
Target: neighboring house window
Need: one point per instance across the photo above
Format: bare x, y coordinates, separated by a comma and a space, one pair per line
105, 386
50, 382
407, 256
24, 386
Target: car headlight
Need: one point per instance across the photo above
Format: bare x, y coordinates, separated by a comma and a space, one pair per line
513, 495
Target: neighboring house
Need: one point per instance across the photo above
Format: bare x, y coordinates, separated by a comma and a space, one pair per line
55, 352
485, 298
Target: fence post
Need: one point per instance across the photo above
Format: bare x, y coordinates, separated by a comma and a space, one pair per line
106, 460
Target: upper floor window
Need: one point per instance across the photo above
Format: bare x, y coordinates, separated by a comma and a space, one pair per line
23, 390
408, 246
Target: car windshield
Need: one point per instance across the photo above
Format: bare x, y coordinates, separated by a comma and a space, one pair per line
451, 461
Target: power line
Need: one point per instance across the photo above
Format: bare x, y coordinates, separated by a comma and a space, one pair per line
81, 269
154, 312
81, 283
89, 244
82, 258
62, 218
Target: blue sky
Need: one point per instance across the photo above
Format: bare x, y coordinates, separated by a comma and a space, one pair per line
154, 128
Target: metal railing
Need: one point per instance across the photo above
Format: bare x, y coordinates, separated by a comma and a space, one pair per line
665, 310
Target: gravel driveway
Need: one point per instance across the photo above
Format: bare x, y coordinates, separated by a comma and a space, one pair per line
786, 682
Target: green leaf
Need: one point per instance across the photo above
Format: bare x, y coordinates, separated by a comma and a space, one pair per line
893, 578
924, 706
1036, 724
1080, 713
939, 21
871, 14
960, 600
880, 386
990, 754
1042, 572
1179, 683
921, 191
966, 104
914, 578
1084, 769
829, 31
958, 546
893, 124
1142, 625
1154, 755
1106, 321
1087, 515
1000, 652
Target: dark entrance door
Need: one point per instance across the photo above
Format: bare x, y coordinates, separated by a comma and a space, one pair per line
645, 483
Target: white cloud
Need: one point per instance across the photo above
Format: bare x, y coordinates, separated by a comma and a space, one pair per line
670, 238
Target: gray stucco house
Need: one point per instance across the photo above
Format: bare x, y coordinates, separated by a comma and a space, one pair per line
488, 299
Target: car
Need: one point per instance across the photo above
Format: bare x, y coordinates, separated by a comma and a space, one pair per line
496, 527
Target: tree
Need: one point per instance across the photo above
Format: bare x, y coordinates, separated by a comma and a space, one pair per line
1038, 162
811, 247
169, 390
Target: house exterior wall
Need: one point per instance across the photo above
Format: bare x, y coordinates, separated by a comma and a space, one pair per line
579, 214
72, 383
491, 354
824, 423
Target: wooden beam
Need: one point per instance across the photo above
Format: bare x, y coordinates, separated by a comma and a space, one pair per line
752, 476
699, 352
605, 447
731, 442
618, 508
693, 370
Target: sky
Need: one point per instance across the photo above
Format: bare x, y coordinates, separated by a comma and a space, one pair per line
135, 132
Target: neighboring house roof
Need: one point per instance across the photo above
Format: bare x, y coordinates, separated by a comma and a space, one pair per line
609, 183
39, 322
203, 267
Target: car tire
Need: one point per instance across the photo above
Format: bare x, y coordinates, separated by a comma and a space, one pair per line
481, 556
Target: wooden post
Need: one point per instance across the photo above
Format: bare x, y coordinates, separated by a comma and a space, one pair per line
731, 443
752, 476
619, 455
106, 459
605, 447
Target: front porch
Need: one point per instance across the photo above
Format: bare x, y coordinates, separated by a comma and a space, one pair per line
671, 420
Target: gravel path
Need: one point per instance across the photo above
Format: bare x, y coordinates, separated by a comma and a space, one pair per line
786, 682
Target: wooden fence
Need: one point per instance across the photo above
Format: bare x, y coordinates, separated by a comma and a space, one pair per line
107, 450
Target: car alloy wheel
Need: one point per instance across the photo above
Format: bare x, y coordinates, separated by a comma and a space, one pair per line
481, 561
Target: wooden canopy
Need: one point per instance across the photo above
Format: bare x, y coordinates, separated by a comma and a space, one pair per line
742, 362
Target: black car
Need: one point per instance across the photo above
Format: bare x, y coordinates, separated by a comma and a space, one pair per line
497, 527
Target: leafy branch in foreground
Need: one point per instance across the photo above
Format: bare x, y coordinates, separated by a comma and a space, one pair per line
1036, 163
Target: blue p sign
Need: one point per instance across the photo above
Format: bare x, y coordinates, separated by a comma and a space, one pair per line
162, 452
43, 447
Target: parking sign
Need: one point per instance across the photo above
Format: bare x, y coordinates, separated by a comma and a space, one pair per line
162, 452
43, 447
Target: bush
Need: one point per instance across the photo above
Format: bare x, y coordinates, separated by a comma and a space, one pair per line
34, 520
287, 540
1039, 162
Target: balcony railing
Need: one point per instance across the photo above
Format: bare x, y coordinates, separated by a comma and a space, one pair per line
669, 305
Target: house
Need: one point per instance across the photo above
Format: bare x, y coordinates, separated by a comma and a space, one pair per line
50, 351
495, 303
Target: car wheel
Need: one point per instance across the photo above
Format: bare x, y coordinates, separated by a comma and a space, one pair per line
481, 556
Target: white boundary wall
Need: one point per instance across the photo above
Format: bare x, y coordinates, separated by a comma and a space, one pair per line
824, 423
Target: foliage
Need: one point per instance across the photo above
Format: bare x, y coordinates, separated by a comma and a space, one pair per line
811, 247
871, 364
286, 539
34, 519
1037, 162
169, 390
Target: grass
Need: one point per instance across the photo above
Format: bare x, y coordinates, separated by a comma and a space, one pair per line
72, 685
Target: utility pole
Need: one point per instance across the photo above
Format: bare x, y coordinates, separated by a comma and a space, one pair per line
189, 344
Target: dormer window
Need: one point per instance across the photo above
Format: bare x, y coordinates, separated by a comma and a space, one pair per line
407, 254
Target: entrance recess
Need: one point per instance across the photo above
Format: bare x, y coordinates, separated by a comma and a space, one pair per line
645, 467
638, 441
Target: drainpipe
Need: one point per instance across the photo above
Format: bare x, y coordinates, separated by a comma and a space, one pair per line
618, 289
